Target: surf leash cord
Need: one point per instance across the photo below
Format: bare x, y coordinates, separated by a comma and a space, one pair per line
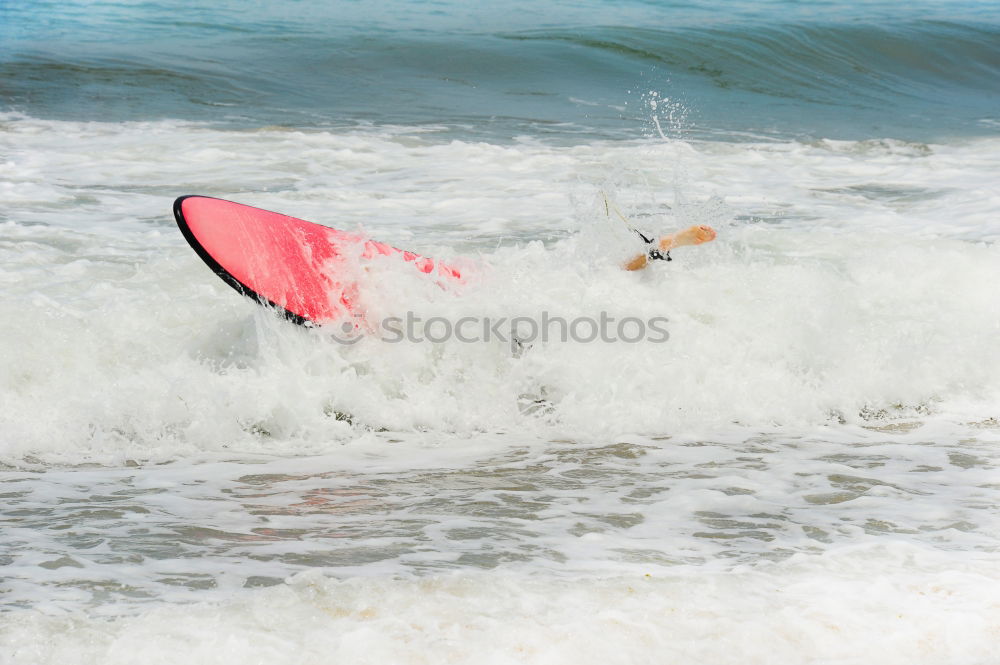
652, 253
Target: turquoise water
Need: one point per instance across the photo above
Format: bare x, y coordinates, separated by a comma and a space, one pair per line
918, 70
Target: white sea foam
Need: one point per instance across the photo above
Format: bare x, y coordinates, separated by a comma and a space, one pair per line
890, 604
849, 278
112, 539
805, 469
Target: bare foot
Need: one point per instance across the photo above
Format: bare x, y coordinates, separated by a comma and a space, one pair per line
694, 235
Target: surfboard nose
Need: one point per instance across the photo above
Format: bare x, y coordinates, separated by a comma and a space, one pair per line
300, 268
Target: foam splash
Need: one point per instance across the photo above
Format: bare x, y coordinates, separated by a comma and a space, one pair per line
907, 604
832, 295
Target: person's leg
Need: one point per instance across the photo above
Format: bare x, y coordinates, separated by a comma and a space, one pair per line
694, 235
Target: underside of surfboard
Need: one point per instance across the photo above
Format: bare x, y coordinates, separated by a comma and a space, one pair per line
301, 269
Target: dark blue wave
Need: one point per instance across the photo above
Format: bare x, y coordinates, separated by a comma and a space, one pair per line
771, 68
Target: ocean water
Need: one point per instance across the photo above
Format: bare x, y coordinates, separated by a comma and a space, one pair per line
804, 471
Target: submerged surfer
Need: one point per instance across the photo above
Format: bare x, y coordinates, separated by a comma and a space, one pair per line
694, 235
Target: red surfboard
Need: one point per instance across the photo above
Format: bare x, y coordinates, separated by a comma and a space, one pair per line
299, 268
